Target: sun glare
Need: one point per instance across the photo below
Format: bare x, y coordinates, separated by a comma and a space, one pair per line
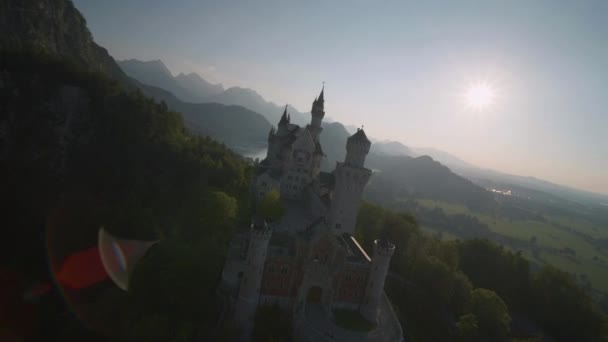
480, 95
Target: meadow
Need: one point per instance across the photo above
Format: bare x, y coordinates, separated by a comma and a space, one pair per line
561, 241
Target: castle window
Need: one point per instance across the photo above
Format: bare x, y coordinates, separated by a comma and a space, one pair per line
270, 268
284, 270
264, 184
338, 226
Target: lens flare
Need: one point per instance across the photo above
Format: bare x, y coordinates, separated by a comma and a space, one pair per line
119, 256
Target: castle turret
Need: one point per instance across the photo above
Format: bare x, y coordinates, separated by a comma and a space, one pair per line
357, 148
350, 179
249, 290
284, 123
383, 251
272, 151
317, 114
298, 169
317, 158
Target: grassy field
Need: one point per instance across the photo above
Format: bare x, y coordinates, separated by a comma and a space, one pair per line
552, 236
445, 236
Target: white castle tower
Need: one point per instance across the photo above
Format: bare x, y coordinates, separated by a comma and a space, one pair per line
249, 291
317, 114
383, 251
350, 179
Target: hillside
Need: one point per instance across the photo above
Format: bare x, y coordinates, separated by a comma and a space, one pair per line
422, 177
239, 128
65, 34
77, 153
391, 148
194, 88
197, 85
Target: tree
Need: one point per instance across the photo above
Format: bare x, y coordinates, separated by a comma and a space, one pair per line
492, 314
565, 310
467, 328
219, 211
270, 207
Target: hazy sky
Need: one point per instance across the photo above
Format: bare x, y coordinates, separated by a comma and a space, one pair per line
400, 68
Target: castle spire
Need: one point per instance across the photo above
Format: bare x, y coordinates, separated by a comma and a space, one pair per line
319, 103
284, 118
321, 98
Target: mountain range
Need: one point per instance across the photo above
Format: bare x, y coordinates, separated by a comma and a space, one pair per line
193, 88
196, 89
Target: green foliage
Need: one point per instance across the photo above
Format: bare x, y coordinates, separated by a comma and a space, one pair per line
550, 297
493, 267
492, 314
270, 207
564, 309
455, 290
467, 328
176, 280
81, 147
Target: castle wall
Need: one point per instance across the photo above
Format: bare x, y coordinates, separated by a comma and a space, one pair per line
383, 251
348, 190
350, 285
283, 302
249, 289
278, 276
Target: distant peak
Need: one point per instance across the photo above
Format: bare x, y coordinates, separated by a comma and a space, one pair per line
156, 64
425, 158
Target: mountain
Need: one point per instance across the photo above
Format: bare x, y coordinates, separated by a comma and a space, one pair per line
239, 128
402, 177
198, 85
79, 151
249, 98
532, 187
391, 148
443, 157
194, 88
156, 74
65, 34
70, 39
333, 139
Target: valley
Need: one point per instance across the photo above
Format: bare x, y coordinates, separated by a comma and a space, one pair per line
569, 243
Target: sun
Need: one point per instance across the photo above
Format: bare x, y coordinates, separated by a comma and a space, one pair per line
480, 95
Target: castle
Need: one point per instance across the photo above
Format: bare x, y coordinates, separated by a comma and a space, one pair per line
309, 259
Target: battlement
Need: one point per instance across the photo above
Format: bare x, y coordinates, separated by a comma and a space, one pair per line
260, 229
383, 247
